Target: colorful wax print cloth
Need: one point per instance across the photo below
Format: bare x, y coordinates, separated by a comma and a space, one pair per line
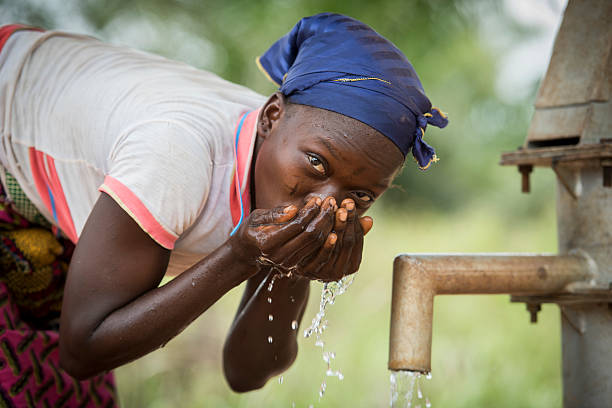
80, 116
33, 266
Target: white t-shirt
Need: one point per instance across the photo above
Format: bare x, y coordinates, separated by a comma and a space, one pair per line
79, 116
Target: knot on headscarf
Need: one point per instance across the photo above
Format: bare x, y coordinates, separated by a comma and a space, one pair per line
337, 63
423, 153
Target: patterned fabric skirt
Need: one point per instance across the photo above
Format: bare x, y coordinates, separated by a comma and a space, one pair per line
33, 266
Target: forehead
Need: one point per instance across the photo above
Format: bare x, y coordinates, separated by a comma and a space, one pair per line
347, 139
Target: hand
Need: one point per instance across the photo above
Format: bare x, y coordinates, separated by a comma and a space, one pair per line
284, 235
341, 252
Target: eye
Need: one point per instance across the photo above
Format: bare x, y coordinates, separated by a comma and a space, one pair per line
316, 163
363, 196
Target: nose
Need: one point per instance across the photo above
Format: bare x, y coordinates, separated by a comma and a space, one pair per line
323, 193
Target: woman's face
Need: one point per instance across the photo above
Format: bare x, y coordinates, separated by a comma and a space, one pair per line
303, 152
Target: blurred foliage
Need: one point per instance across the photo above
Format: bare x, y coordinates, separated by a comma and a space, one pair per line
466, 202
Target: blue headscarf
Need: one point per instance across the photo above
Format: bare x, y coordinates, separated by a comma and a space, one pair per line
337, 63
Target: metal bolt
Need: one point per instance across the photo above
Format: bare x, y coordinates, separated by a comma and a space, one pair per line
606, 165
525, 169
533, 309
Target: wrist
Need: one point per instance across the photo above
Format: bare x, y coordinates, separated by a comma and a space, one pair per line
240, 252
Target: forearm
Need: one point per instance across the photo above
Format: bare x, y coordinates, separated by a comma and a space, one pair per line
262, 341
152, 319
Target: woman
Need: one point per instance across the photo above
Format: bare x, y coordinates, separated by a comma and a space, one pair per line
153, 167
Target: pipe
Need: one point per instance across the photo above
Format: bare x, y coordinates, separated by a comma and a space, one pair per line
418, 278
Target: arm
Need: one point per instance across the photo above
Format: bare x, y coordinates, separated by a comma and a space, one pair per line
249, 359
113, 312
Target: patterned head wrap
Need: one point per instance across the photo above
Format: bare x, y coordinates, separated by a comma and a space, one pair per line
337, 63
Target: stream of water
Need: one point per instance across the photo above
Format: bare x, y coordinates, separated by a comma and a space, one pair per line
331, 290
406, 390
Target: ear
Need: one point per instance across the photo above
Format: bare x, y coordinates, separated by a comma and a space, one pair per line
270, 115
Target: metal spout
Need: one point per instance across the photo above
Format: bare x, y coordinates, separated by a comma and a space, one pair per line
418, 278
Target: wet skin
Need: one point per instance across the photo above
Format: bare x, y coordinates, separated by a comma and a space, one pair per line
315, 173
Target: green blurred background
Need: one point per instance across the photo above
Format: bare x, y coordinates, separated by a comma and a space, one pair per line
480, 61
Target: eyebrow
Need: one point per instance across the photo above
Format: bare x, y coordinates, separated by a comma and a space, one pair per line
332, 150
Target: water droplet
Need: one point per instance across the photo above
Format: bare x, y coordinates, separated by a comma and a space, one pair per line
322, 389
319, 343
292, 299
270, 339
427, 403
280, 379
270, 286
340, 375
428, 376
270, 317
192, 284
269, 300
294, 325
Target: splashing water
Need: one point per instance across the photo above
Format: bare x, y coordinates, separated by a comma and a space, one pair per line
331, 290
403, 389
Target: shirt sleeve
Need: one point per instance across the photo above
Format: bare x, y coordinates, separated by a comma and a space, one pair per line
160, 174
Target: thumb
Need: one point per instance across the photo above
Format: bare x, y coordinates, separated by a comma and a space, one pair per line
366, 224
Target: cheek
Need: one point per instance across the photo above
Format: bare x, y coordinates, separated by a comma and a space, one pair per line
280, 180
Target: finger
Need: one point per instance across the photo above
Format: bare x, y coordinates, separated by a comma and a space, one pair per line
344, 262
357, 251
341, 217
296, 225
366, 224
276, 215
339, 228
315, 264
313, 237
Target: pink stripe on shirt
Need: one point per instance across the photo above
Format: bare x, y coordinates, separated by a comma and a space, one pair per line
50, 190
242, 168
138, 211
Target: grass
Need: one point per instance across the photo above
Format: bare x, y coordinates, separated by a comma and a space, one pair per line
485, 351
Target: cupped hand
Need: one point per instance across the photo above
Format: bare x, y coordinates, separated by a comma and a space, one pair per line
283, 235
342, 250
319, 241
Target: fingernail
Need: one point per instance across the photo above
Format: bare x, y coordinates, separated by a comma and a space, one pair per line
288, 209
332, 202
342, 216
